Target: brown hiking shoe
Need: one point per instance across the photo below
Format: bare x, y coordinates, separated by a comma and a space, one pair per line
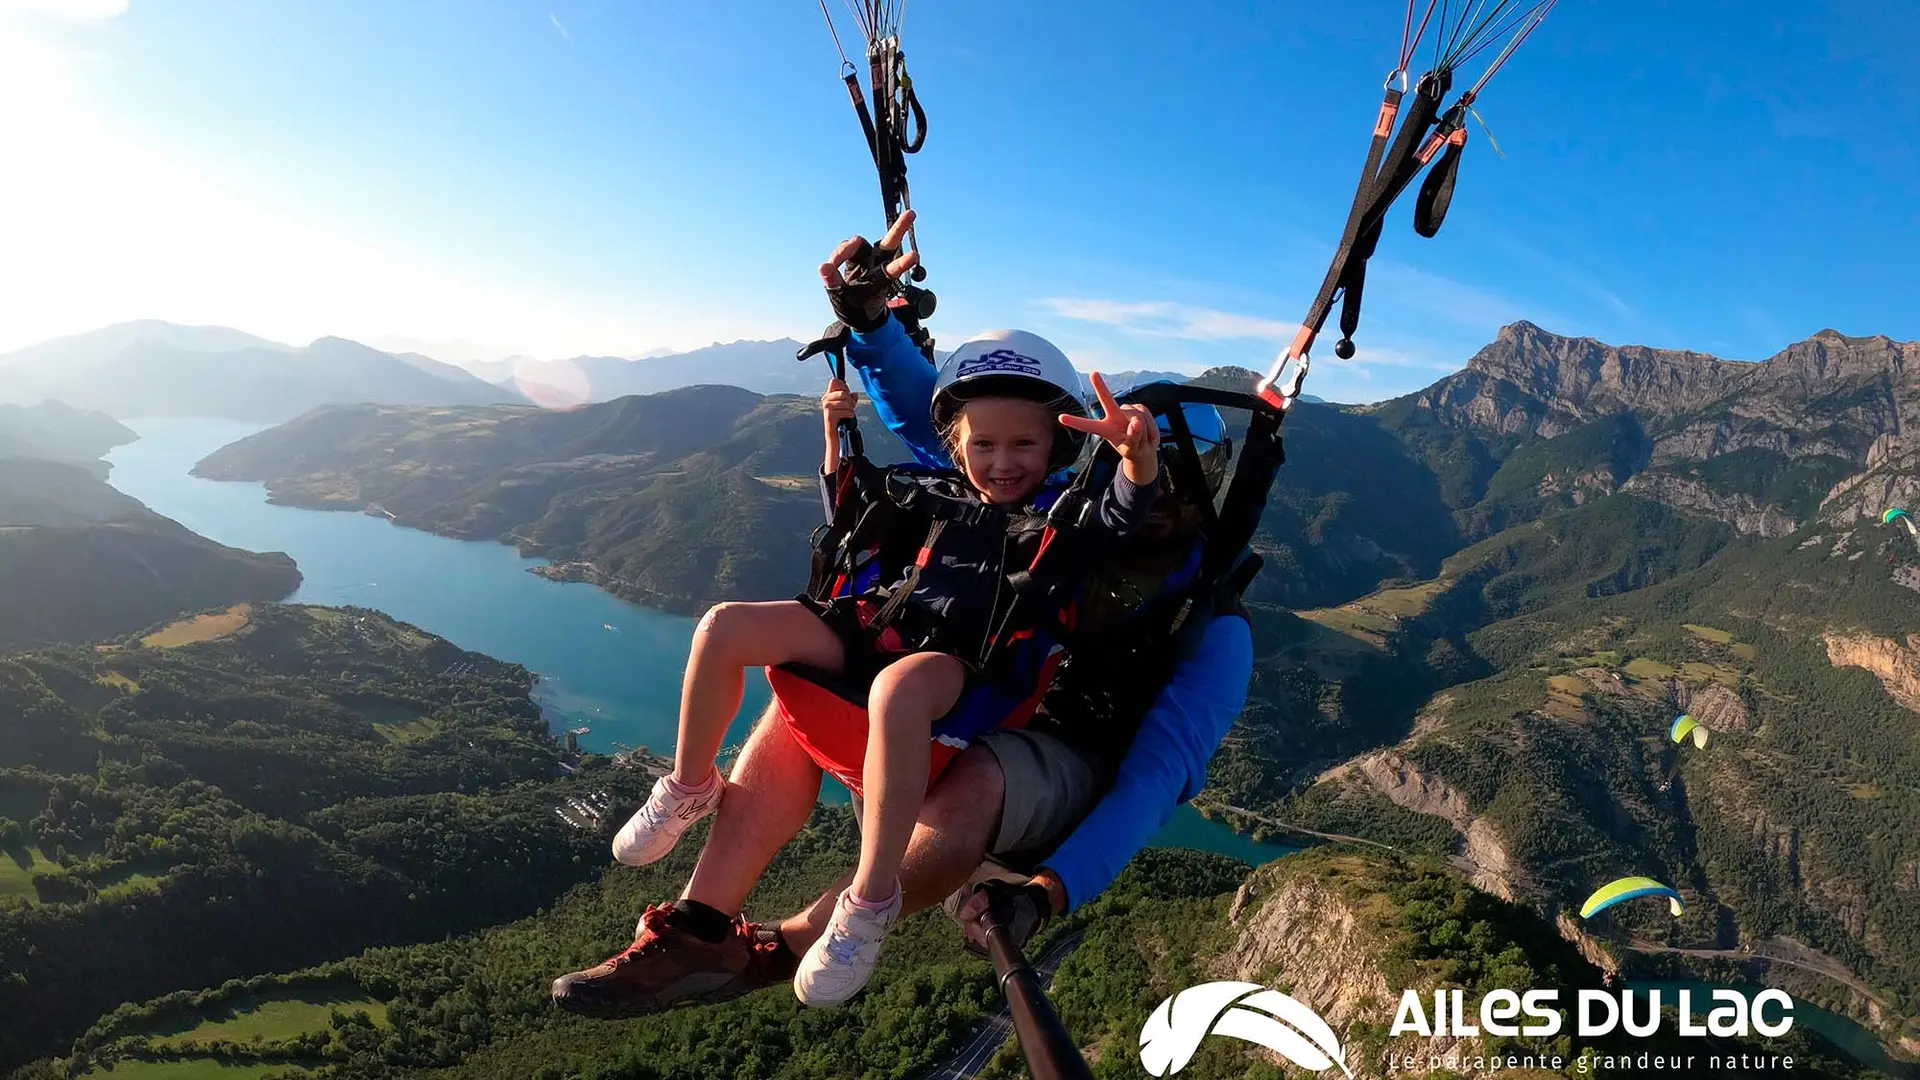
667, 965
768, 963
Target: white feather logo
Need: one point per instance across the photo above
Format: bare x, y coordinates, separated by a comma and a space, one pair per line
1238, 1010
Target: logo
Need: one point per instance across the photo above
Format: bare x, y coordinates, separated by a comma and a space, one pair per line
1238, 1010
998, 362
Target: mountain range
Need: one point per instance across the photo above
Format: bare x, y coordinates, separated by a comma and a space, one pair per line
765, 367
159, 369
154, 368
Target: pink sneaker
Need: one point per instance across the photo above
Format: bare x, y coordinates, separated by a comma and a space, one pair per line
670, 810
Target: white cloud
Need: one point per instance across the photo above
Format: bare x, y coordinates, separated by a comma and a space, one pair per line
1166, 319
556, 25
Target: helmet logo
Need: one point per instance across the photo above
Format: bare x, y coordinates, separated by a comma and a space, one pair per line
999, 362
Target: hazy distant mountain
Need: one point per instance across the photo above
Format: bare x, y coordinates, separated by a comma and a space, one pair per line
1121, 381
90, 347
158, 369
57, 432
765, 367
450, 372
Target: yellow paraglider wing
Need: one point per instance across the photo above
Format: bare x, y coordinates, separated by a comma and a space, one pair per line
1630, 888
1684, 725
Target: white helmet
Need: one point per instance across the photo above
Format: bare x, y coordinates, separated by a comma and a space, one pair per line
1013, 363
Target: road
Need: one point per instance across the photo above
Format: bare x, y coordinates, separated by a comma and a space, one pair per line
972, 1057
1304, 831
1776, 953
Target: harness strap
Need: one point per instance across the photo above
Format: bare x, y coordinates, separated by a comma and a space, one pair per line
1387, 172
1436, 191
912, 581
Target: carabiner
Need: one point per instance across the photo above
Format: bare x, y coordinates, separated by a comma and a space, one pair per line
1284, 399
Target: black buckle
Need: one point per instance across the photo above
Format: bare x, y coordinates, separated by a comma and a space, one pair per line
1070, 510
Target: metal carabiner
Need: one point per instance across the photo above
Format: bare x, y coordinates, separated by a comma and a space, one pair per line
1284, 399
1298, 352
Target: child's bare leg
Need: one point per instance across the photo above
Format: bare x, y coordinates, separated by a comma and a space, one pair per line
907, 698
731, 638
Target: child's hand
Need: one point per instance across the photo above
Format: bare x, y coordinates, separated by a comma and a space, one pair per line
1130, 428
838, 404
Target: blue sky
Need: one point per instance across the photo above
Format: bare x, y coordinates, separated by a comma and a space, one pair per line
1147, 186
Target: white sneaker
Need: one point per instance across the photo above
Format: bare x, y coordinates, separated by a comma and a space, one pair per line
842, 959
670, 810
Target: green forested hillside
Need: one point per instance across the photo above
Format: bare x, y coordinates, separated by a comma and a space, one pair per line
79, 561
314, 782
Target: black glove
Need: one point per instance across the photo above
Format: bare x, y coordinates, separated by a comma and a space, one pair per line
861, 303
1019, 909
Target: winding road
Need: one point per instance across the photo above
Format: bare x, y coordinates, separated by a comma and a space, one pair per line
1776, 953
999, 1027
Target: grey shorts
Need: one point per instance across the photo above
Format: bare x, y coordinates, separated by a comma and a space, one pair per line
1049, 787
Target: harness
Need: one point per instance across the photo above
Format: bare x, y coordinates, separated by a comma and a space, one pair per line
1113, 673
1394, 160
870, 510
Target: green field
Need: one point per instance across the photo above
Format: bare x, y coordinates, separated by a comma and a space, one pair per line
405, 732
189, 1069
16, 871
1645, 667
127, 880
274, 1016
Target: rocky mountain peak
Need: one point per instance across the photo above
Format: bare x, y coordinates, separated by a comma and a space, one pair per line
1531, 379
1830, 355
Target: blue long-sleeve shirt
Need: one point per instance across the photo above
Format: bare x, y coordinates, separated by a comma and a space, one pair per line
899, 382
1167, 763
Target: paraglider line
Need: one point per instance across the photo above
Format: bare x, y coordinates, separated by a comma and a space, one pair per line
1458, 45
831, 29
1410, 39
1539, 15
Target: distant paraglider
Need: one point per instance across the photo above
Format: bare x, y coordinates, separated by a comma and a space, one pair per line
1685, 725
1896, 514
1630, 888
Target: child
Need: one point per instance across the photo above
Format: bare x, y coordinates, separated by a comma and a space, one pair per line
1006, 406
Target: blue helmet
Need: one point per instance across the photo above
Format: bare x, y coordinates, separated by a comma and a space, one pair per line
1210, 443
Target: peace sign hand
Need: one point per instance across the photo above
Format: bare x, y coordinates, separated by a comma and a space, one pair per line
1130, 428
861, 278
